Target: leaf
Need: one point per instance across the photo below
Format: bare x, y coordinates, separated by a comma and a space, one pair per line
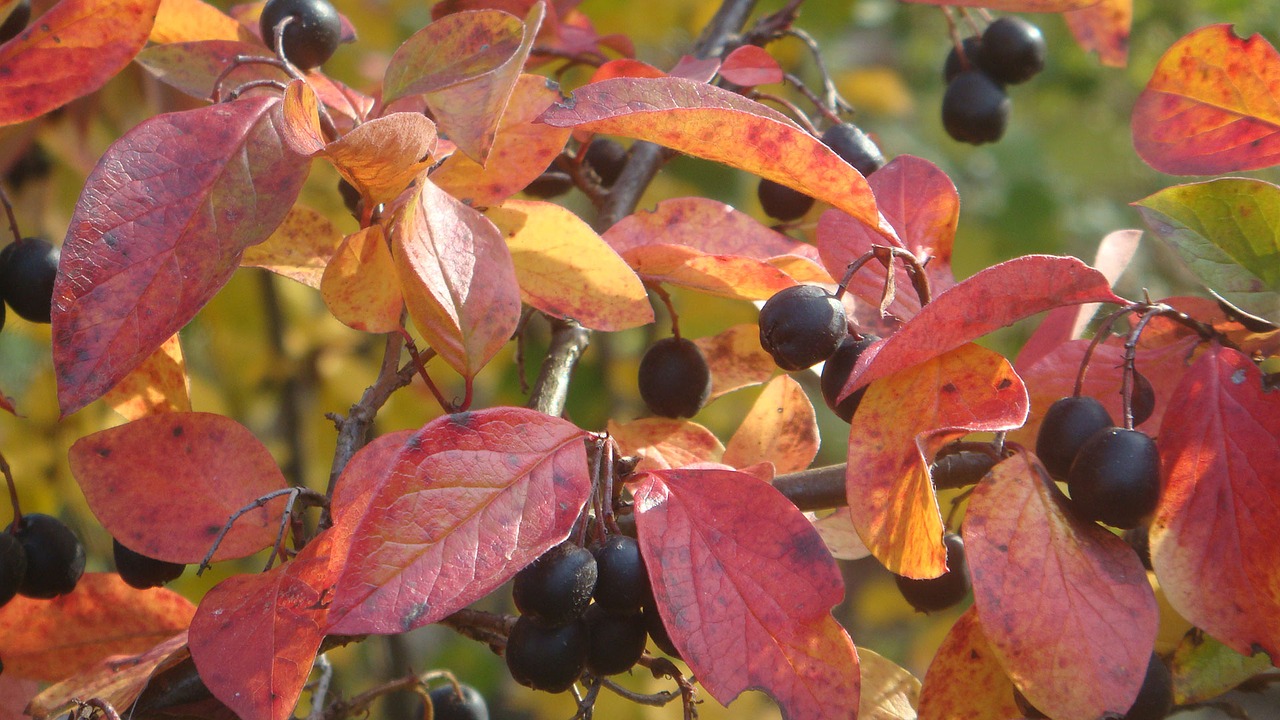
49, 640
888, 692
364, 474
745, 588
1204, 668
1228, 233
662, 443
194, 66
750, 65
383, 156
116, 679
1211, 105
360, 286
471, 499
1104, 29
1006, 292
736, 359
780, 428
840, 536
730, 276
965, 680
706, 225
159, 228
15, 694
159, 384
568, 271
189, 20
457, 278
1030, 6
299, 249
302, 130
1210, 540
1064, 603
70, 51
718, 125
129, 473
901, 423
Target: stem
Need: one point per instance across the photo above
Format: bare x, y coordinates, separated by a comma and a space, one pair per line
13, 220
815, 488
13, 491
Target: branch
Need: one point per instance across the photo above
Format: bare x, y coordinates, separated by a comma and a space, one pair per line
814, 489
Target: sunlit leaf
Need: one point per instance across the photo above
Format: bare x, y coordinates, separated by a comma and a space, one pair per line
781, 428
189, 20
888, 692
116, 679
1104, 29
299, 249
383, 156
707, 225
750, 65
736, 359
731, 276
360, 285
663, 443
965, 680
159, 384
840, 536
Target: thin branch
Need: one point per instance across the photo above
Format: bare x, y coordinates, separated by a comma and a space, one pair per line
814, 489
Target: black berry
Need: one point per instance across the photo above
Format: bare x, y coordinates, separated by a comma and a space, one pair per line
854, 146
836, 371
1115, 478
1143, 400
13, 566
312, 34
956, 64
1013, 50
1139, 539
55, 557
616, 642
16, 22
658, 631
551, 183
945, 590
27, 271
351, 197
675, 381
544, 657
1068, 424
975, 109
607, 158
1155, 699
802, 325
781, 202
31, 166
622, 585
447, 704
142, 572
556, 588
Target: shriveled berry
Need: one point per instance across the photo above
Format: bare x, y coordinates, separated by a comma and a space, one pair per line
975, 109
312, 35
28, 268
622, 584
1067, 426
55, 557
836, 371
674, 379
1115, 478
616, 641
854, 146
1013, 50
547, 657
13, 567
447, 704
607, 158
802, 325
945, 590
556, 588
782, 202
956, 64
1155, 699
140, 571
16, 22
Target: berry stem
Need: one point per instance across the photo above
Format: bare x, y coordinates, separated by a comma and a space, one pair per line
1103, 331
832, 102
1130, 355
787, 105
420, 363
13, 220
818, 102
665, 297
13, 492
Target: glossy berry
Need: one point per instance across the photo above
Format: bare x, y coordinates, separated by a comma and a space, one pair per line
142, 572
1067, 426
616, 642
975, 109
310, 37
658, 631
802, 325
556, 588
551, 183
55, 557
1013, 50
13, 566
16, 22
781, 202
622, 584
945, 590
545, 657
1155, 699
955, 64
1115, 478
607, 158
27, 271
854, 147
448, 705
835, 373
675, 381
1143, 401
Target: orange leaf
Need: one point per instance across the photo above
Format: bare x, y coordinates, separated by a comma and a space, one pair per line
1212, 105
300, 110
706, 225
360, 286
736, 359
117, 679
900, 424
661, 443
730, 276
299, 249
1064, 603
383, 156
159, 384
566, 270
51, 639
781, 428
1104, 29
188, 20
965, 680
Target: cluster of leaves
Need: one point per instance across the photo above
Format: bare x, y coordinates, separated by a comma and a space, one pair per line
418, 524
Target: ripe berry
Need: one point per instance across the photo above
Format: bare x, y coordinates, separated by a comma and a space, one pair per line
607, 158
675, 381
310, 37
27, 270
975, 109
556, 588
1067, 426
1155, 699
955, 64
546, 658
622, 585
616, 642
142, 572
1013, 50
31, 166
13, 566
1143, 400
781, 202
55, 557
351, 197
16, 22
1139, 539
658, 631
551, 183
802, 325
835, 373
945, 590
854, 146
448, 705
1115, 478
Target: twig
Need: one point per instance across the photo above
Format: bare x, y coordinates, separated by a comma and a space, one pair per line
321, 690
13, 491
815, 488
312, 495
13, 220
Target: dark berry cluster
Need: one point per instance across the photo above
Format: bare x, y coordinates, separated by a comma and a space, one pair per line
27, 270
801, 326
846, 140
312, 30
949, 588
674, 378
975, 107
39, 558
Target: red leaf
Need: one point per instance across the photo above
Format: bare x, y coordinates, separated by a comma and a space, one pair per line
158, 230
706, 225
751, 65
1211, 105
1005, 293
70, 51
129, 475
625, 67
745, 587
730, 276
965, 680
1064, 603
15, 695
116, 679
1212, 540
1104, 29
471, 499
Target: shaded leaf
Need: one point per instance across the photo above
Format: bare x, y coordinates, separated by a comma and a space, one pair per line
190, 20
1210, 541
299, 249
15, 694
568, 271
888, 692
736, 359
664, 443
159, 228
625, 67
471, 499
159, 384
1104, 29
1064, 603
360, 286
767, 624
840, 536
965, 680
901, 423
781, 428
1211, 105
194, 66
750, 65
128, 474
49, 640
1204, 668
70, 51
116, 679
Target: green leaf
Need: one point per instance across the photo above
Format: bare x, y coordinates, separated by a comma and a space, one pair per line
1204, 668
1228, 233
